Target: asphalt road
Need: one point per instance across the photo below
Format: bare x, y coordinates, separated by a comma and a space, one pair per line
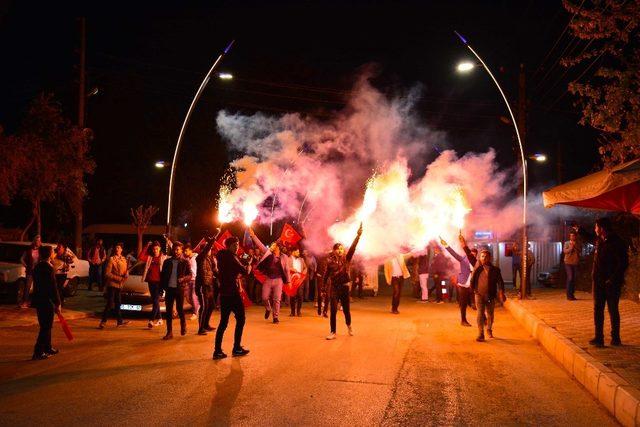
417, 368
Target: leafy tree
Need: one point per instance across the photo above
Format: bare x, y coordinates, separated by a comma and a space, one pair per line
50, 157
610, 99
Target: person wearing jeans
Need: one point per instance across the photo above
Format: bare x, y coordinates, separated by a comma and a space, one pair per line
151, 275
275, 266
395, 272
571, 252
336, 274
96, 256
175, 277
229, 267
462, 280
487, 285
115, 273
191, 256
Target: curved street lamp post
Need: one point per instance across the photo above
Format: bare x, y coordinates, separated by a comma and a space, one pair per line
182, 129
467, 67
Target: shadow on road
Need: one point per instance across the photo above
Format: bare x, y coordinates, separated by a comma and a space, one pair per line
225, 395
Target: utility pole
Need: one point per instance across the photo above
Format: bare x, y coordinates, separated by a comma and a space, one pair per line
82, 97
522, 127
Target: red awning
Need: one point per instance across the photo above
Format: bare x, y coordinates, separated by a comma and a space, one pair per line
616, 189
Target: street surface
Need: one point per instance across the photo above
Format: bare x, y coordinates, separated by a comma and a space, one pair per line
416, 368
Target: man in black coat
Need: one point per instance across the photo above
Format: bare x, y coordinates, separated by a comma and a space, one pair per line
229, 267
609, 264
487, 285
46, 300
174, 279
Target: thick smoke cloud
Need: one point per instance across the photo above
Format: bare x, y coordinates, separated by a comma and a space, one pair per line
317, 171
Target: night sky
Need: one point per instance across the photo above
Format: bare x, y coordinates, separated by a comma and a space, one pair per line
148, 58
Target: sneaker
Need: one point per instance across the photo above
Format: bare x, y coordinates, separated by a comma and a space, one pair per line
490, 333
267, 313
39, 356
101, 325
218, 354
159, 322
324, 315
52, 351
183, 331
331, 336
395, 312
193, 316
168, 337
572, 298
480, 338
440, 302
616, 342
237, 352
350, 330
596, 342
465, 323
275, 320
123, 323
150, 324
202, 332
209, 328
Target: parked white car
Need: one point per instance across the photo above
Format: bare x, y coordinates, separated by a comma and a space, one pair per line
12, 272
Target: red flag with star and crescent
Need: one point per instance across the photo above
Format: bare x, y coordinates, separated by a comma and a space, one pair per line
297, 279
289, 235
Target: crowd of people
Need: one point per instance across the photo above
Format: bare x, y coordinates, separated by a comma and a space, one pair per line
219, 275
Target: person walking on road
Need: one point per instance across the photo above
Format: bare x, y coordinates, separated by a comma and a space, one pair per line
571, 252
229, 267
297, 265
463, 280
609, 264
191, 256
207, 270
174, 281
46, 302
395, 272
29, 260
115, 273
275, 266
487, 285
151, 275
336, 275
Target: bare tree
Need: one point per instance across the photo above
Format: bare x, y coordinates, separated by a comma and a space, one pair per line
141, 218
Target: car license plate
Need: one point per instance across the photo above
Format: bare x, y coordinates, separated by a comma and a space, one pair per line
131, 307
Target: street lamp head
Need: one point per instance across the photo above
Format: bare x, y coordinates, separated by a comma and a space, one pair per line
160, 164
465, 67
225, 76
540, 158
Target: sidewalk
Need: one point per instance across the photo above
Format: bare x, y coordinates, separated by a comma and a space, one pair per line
564, 328
84, 304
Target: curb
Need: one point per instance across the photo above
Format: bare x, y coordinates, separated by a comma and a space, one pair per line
620, 398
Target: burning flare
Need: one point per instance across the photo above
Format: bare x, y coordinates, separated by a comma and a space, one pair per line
224, 205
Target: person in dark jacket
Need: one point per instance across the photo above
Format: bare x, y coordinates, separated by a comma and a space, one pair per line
29, 260
46, 301
174, 280
230, 267
609, 264
207, 269
336, 275
487, 285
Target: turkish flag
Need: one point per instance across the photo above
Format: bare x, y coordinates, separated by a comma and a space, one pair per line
259, 275
289, 235
65, 327
219, 243
297, 279
245, 298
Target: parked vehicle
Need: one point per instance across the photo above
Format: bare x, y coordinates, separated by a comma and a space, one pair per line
12, 272
135, 295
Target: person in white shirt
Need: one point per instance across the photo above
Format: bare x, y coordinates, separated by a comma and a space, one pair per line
191, 256
396, 271
297, 266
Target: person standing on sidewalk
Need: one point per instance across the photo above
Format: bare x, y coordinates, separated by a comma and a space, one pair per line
463, 280
275, 265
96, 256
29, 260
46, 302
571, 252
487, 285
174, 280
610, 261
230, 267
115, 273
151, 275
337, 277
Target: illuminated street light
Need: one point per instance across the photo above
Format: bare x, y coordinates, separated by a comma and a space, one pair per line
161, 164
225, 76
465, 67
523, 158
538, 157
